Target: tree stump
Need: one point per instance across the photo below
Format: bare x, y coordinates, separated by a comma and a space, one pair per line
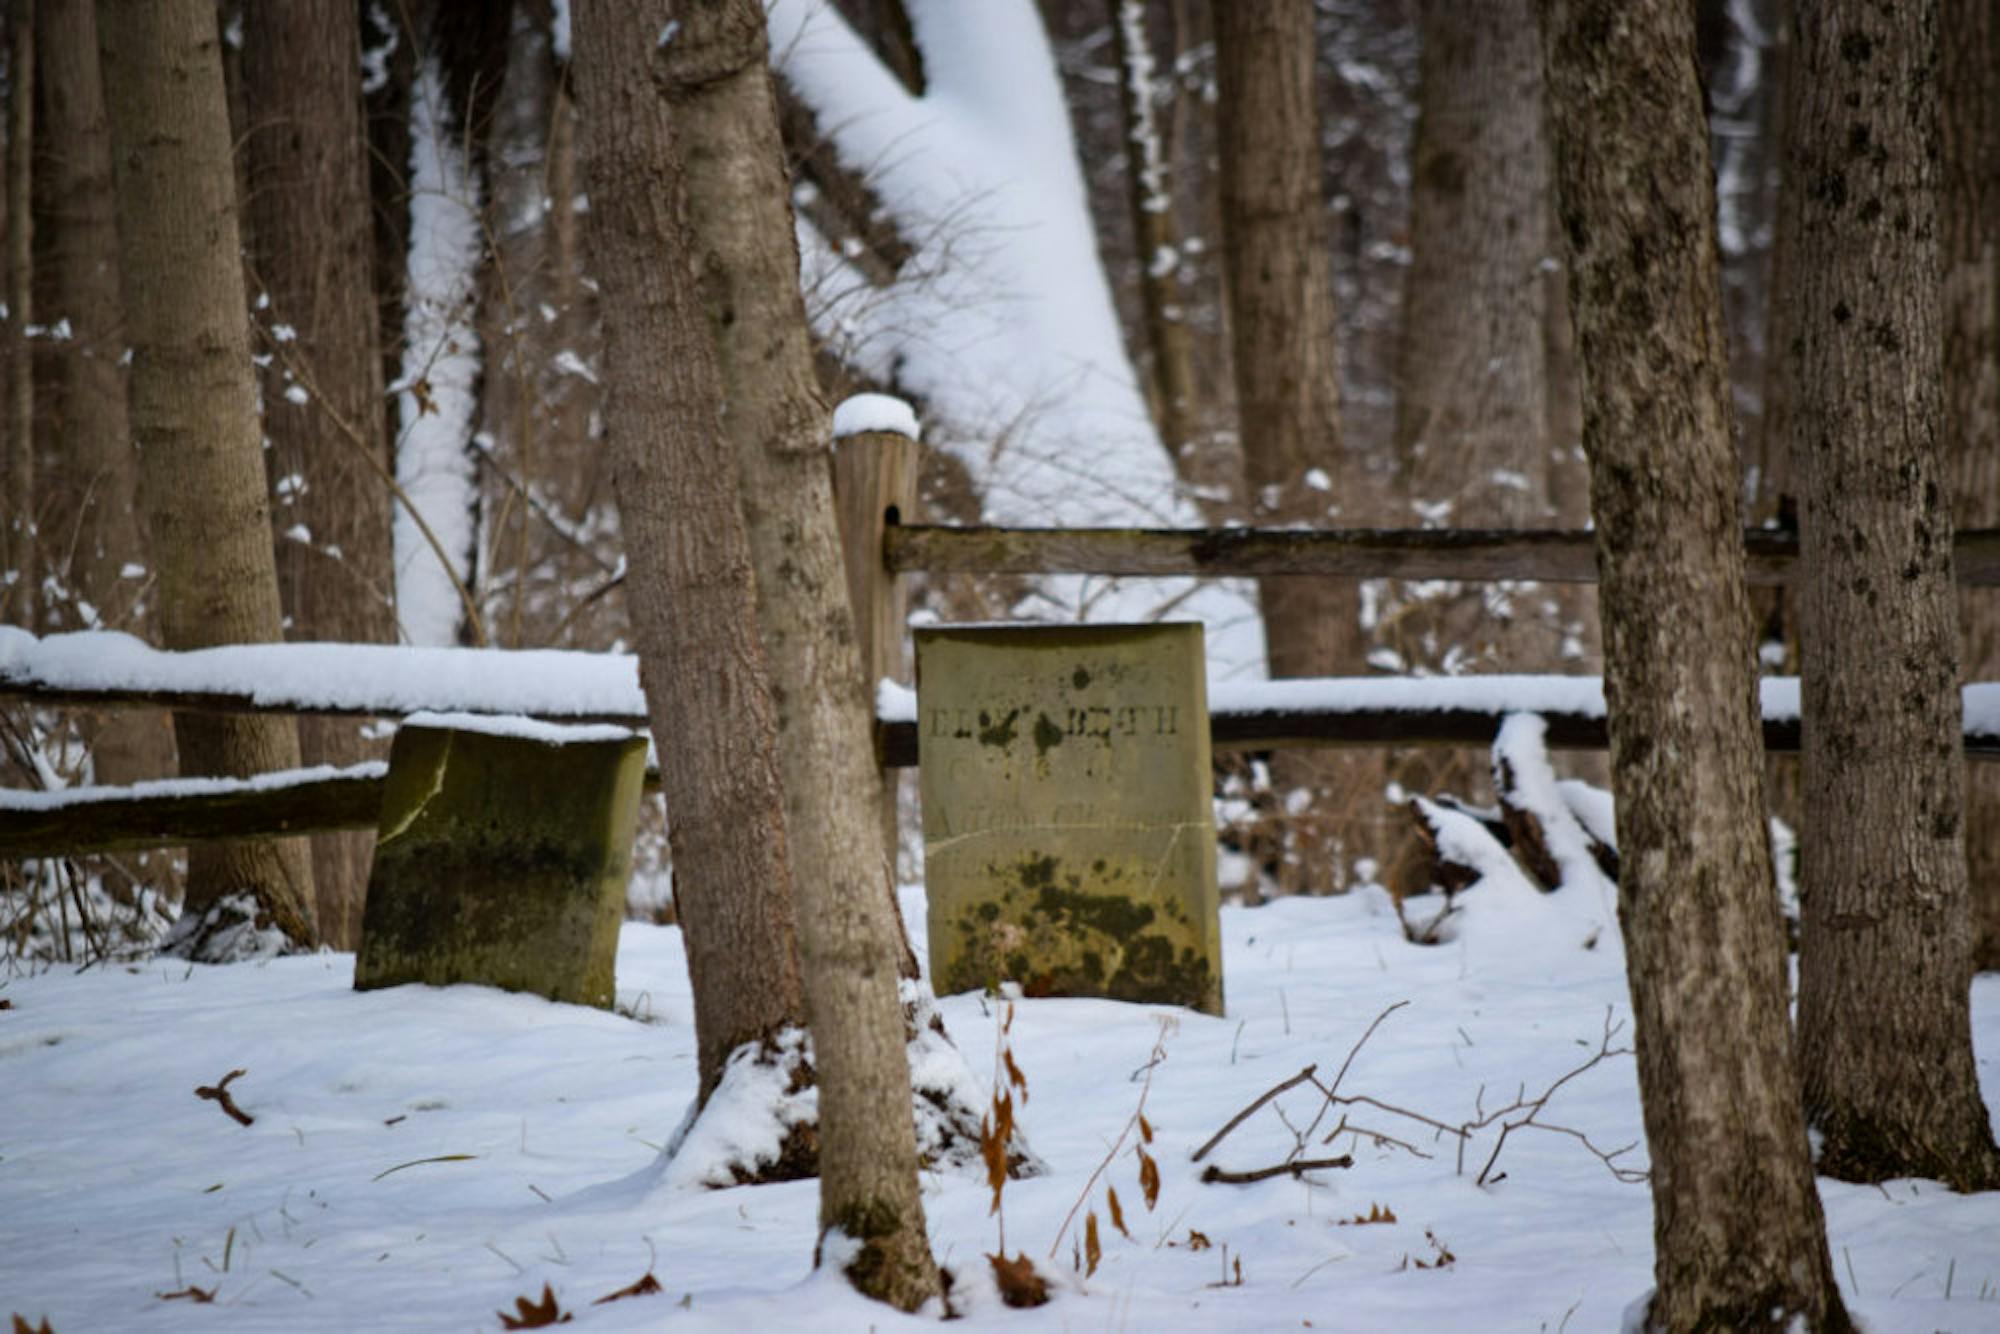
502, 857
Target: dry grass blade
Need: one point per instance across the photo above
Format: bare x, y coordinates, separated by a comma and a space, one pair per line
199, 1296
419, 1162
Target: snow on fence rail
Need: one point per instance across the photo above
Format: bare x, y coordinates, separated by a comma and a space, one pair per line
108, 670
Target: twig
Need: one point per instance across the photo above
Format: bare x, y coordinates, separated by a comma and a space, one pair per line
1244, 1115
219, 1093
1297, 1167
1138, 1115
1352, 1052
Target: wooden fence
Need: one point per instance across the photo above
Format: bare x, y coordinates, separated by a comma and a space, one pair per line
876, 477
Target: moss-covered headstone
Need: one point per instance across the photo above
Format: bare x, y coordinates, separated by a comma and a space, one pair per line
502, 857
1069, 830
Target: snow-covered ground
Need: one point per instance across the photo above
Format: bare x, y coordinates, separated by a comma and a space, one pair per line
421, 1158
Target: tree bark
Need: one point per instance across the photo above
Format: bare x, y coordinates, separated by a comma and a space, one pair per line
92, 422
1969, 101
311, 239
1885, 1028
1472, 407
20, 601
1739, 1237
1169, 345
1287, 376
194, 415
692, 592
715, 78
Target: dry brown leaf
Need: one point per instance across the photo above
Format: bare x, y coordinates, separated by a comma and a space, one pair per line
993, 1148
1149, 1177
535, 1315
1014, 1075
1377, 1213
645, 1287
1117, 1214
1145, 1129
1093, 1250
22, 1326
1018, 1282
1198, 1241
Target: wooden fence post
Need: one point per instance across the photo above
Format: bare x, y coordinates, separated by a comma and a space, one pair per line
874, 486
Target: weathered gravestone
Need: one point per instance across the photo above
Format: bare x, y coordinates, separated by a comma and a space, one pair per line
502, 857
1069, 832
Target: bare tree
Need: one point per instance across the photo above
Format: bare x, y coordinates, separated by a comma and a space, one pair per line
19, 556
1969, 251
1163, 291
1285, 365
715, 77
92, 425
194, 414
1885, 1024
311, 242
1739, 1238
728, 819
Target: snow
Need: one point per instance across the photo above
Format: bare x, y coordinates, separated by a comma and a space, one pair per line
859, 413
1002, 323
16, 799
437, 394
520, 728
421, 1157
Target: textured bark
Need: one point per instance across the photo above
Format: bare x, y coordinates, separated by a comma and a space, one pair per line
1472, 404
715, 79
19, 601
311, 241
692, 593
1472, 424
1169, 346
1885, 1029
1969, 254
1739, 1237
194, 411
1287, 377
92, 425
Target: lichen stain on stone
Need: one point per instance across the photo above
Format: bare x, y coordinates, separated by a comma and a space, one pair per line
997, 733
1046, 930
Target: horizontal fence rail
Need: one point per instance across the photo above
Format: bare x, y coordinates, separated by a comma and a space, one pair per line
1543, 556
1445, 711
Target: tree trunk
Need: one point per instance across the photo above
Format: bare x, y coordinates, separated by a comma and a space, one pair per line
92, 422
1739, 1237
1969, 97
1169, 343
311, 236
1472, 407
1885, 1028
1287, 377
20, 600
194, 415
715, 79
692, 592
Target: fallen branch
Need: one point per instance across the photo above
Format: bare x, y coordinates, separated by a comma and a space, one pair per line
219, 1093
1295, 1167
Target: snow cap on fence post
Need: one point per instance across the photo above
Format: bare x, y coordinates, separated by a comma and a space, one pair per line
863, 414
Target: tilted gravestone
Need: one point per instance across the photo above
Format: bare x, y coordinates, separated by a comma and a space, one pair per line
502, 856
1069, 830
